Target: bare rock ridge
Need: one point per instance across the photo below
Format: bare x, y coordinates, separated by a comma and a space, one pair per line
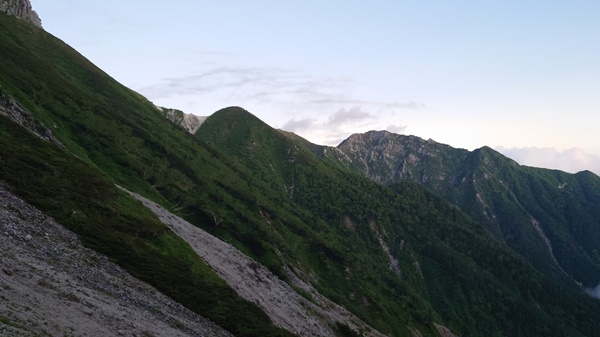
191, 123
51, 285
386, 157
256, 283
444, 332
21, 9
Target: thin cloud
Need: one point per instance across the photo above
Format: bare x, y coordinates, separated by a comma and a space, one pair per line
298, 125
320, 109
396, 128
347, 116
332, 128
571, 160
255, 81
219, 53
268, 85
353, 101
336, 138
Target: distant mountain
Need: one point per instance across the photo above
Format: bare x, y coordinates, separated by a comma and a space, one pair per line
549, 217
433, 250
246, 227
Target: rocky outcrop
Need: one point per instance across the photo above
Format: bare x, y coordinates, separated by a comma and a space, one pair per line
191, 123
51, 285
15, 111
444, 332
21, 9
386, 157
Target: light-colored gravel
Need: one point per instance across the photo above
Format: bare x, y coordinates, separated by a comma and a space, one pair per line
50, 285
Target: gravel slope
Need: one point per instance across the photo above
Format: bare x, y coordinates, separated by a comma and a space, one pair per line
50, 285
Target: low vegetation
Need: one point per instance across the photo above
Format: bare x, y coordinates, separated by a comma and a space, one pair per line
111, 222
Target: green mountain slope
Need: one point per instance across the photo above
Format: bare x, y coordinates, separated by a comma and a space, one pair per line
109, 221
104, 123
549, 217
398, 257
407, 246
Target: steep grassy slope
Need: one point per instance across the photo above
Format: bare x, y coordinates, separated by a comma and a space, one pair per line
549, 217
385, 250
101, 122
303, 239
110, 222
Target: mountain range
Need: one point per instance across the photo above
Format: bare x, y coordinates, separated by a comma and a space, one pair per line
547, 216
252, 231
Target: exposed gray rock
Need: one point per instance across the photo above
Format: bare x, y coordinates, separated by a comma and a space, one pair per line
15, 111
191, 123
21, 9
50, 285
444, 332
386, 157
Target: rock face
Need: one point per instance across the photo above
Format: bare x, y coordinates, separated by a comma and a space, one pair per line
191, 123
386, 157
444, 332
15, 111
21, 9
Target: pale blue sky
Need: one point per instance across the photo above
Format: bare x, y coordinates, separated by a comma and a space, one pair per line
520, 76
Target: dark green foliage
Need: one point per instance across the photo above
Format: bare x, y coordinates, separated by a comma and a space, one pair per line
549, 217
449, 265
346, 331
528, 202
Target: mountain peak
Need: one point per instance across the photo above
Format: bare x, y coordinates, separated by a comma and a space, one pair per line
373, 134
386, 157
21, 9
383, 139
383, 136
234, 117
234, 112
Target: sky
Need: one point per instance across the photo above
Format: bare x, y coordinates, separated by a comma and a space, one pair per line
522, 77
